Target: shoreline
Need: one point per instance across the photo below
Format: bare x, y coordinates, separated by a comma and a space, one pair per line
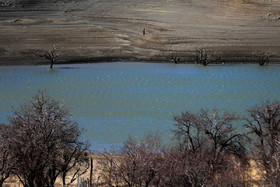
19, 61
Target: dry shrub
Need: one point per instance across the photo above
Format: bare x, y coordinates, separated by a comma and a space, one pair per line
208, 151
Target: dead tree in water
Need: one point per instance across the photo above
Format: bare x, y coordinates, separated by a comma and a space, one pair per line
52, 55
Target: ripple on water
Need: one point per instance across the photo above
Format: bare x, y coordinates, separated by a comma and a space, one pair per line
113, 100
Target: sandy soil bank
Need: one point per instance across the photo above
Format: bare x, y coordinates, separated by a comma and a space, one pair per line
112, 30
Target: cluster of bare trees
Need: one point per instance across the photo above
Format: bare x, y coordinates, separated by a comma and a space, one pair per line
264, 125
204, 57
214, 146
40, 144
209, 150
201, 56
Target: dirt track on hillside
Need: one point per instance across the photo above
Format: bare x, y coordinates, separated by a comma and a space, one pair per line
112, 30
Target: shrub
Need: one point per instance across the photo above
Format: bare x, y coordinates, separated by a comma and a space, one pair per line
208, 152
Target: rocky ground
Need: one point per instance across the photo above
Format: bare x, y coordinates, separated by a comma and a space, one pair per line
113, 30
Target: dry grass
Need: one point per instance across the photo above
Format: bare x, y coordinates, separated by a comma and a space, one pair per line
253, 174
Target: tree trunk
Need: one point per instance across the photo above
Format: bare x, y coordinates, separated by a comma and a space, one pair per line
52, 61
91, 170
1, 182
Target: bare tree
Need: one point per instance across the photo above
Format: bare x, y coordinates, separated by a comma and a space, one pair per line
264, 58
51, 55
175, 59
211, 147
76, 160
6, 161
140, 163
44, 142
201, 56
207, 148
264, 125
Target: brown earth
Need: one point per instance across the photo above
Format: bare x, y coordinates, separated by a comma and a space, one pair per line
112, 30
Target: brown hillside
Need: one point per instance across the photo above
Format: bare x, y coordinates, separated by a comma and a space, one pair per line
112, 30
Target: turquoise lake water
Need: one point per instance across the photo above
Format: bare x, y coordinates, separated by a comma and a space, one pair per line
112, 100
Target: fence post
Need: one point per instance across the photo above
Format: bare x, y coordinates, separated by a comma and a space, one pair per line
91, 170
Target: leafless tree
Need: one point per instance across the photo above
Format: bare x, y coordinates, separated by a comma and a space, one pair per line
6, 161
140, 163
208, 152
201, 56
211, 146
175, 59
44, 143
264, 58
264, 125
51, 55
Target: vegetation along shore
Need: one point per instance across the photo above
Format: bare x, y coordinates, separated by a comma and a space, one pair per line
231, 31
41, 146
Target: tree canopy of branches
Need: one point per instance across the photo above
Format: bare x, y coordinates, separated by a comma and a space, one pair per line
208, 152
264, 58
44, 143
201, 56
264, 125
211, 145
6, 161
141, 163
51, 55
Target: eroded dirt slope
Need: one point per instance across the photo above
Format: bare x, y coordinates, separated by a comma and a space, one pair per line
112, 30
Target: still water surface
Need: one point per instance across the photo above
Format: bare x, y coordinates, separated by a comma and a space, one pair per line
112, 100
